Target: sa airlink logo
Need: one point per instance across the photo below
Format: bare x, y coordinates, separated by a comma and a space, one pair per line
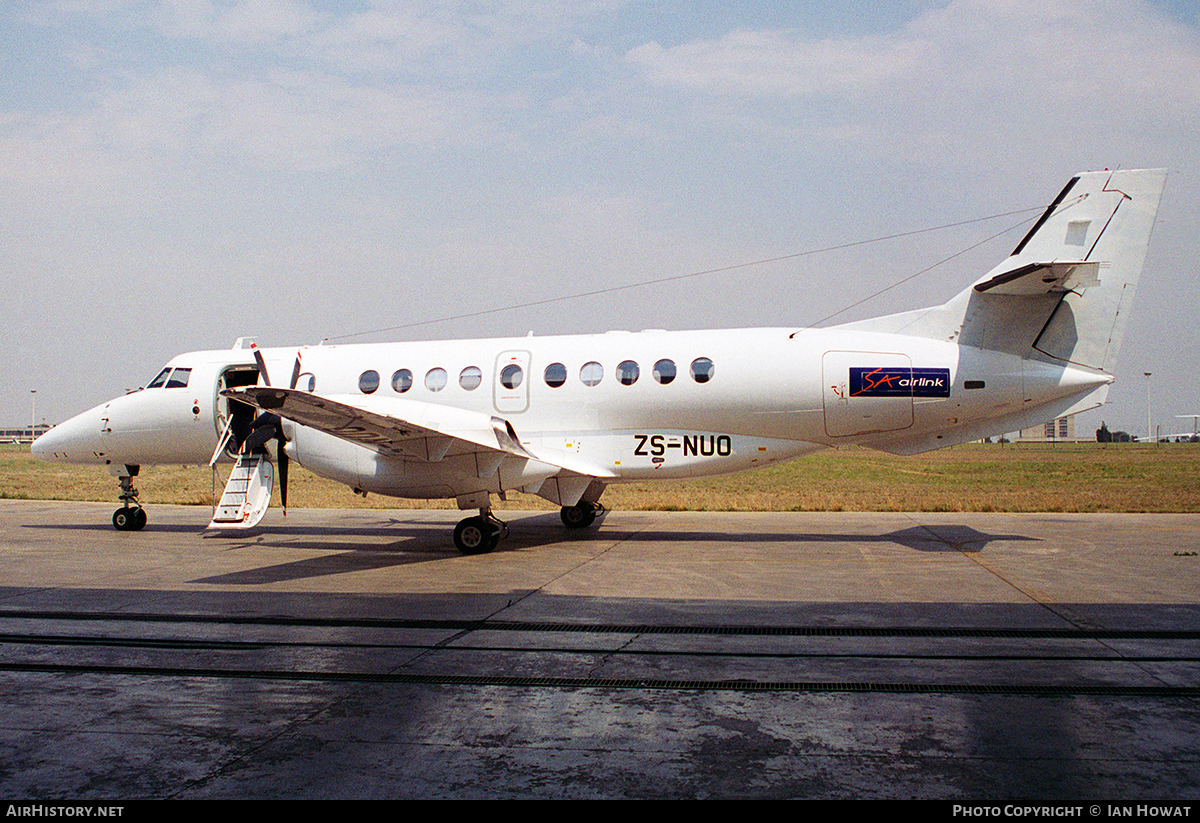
898, 381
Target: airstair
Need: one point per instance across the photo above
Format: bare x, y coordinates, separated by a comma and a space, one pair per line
247, 494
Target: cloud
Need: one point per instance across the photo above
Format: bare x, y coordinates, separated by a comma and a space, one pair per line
1070, 49
780, 64
992, 77
289, 120
243, 21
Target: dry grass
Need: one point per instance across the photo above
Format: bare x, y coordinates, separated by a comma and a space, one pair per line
1028, 477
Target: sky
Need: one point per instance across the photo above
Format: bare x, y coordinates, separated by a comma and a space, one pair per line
180, 173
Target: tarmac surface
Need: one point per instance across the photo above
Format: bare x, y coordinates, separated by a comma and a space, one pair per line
356, 654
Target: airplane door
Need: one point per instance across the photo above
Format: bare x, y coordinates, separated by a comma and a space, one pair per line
510, 385
238, 415
866, 392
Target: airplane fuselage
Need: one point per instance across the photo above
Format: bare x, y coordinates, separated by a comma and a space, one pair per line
632, 406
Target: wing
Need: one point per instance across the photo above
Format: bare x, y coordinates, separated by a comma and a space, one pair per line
408, 428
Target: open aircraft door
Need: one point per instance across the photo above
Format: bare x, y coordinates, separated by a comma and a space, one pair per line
232, 418
863, 392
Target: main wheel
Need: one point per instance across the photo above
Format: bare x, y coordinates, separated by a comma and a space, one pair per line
475, 536
579, 516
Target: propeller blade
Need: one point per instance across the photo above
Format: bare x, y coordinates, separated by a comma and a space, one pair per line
262, 364
268, 426
281, 459
295, 372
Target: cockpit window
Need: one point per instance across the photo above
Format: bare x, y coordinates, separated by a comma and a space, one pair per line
159, 380
179, 379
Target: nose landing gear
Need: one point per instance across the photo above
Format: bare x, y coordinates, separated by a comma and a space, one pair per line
131, 517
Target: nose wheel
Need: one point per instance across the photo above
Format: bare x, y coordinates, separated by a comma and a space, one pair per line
131, 517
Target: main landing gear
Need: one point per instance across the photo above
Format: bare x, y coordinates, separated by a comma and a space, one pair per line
131, 517
581, 515
479, 535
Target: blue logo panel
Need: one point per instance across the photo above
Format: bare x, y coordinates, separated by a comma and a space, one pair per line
898, 381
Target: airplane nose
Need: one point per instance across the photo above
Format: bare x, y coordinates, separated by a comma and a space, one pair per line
41, 446
45, 446
72, 441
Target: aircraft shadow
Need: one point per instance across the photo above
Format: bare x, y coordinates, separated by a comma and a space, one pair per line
429, 542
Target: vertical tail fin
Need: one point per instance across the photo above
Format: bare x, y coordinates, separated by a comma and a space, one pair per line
1075, 272
1064, 293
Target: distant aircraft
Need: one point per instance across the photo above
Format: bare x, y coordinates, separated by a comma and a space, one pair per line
563, 417
1192, 436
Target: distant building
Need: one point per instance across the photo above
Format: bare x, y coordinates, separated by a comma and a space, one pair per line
1060, 428
22, 435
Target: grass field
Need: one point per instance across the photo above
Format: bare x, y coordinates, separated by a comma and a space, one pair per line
1088, 477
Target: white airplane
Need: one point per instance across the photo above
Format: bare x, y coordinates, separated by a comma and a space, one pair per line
563, 417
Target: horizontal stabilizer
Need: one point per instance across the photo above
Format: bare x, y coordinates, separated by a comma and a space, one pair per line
1043, 278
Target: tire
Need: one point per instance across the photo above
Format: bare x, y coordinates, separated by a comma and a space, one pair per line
579, 516
474, 536
123, 519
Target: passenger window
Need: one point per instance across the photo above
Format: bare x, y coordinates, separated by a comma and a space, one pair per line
511, 376
402, 381
702, 369
307, 382
556, 375
435, 379
159, 379
664, 371
627, 373
368, 381
591, 374
179, 379
470, 378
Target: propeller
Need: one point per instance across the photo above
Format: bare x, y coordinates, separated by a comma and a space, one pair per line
268, 426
